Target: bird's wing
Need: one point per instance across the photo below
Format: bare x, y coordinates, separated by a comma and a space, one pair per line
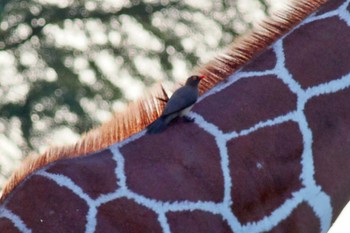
181, 99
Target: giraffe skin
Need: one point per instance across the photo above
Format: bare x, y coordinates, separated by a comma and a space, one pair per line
268, 160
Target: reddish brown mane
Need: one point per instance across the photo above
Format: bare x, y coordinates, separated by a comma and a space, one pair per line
141, 113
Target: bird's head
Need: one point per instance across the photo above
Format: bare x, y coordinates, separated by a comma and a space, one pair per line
194, 80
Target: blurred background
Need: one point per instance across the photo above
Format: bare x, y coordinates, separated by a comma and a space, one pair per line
67, 65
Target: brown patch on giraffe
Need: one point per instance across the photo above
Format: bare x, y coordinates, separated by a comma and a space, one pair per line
140, 114
7, 226
330, 6
265, 61
248, 96
41, 215
328, 118
186, 165
267, 163
90, 172
196, 221
302, 219
312, 70
123, 215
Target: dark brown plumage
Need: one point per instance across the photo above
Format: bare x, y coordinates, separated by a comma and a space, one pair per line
179, 104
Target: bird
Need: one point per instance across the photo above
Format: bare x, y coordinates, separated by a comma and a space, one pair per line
179, 104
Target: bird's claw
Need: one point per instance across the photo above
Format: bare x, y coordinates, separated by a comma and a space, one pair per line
188, 119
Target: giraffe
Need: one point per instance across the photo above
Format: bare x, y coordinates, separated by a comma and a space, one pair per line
267, 151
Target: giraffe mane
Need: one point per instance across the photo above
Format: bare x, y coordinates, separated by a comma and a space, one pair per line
140, 113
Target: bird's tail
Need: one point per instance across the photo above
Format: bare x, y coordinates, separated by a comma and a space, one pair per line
157, 126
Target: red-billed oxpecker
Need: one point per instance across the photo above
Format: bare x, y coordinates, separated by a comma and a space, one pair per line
179, 104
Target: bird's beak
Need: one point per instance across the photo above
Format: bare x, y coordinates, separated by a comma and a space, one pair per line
201, 77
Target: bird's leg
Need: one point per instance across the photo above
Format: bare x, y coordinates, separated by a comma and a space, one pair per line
187, 118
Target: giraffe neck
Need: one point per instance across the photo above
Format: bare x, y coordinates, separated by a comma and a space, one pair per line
141, 113
268, 151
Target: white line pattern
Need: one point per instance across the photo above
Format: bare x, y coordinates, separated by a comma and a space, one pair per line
17, 221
